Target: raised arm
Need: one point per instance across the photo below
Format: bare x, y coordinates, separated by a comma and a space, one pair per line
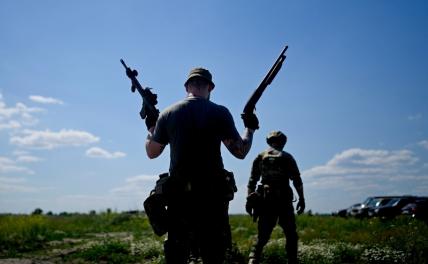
153, 148
240, 146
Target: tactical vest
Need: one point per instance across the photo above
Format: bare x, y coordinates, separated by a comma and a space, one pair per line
273, 169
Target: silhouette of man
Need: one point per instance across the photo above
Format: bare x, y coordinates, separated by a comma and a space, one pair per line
275, 167
194, 128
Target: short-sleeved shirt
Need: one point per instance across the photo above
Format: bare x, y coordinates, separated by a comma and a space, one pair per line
195, 128
275, 167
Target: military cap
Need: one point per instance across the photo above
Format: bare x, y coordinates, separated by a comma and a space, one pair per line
200, 72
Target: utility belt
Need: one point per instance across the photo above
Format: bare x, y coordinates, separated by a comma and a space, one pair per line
218, 185
275, 191
172, 186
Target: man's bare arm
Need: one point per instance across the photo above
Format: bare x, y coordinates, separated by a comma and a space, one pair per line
153, 148
240, 146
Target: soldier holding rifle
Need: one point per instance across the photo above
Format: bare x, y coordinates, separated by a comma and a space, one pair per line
194, 128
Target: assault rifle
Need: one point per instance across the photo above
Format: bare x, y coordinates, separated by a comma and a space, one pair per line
251, 103
149, 98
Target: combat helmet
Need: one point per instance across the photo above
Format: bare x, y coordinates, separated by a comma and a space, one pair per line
276, 139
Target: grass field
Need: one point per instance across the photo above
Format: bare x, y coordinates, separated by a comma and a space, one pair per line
128, 238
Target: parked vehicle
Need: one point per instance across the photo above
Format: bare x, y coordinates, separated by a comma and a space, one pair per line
362, 209
393, 207
417, 209
368, 207
388, 207
380, 202
347, 212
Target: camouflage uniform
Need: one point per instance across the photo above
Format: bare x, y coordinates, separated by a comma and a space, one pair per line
276, 168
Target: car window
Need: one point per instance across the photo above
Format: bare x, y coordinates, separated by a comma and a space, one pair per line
393, 202
367, 201
384, 201
373, 202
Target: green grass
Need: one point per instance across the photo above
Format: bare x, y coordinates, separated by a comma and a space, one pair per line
22, 233
327, 239
124, 238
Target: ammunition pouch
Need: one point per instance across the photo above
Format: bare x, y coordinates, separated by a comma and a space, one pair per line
230, 185
253, 205
160, 184
155, 206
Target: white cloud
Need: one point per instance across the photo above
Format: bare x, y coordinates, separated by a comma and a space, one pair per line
45, 100
19, 109
25, 156
363, 162
354, 174
11, 124
49, 140
142, 179
365, 171
424, 144
96, 152
28, 159
9, 166
17, 116
137, 185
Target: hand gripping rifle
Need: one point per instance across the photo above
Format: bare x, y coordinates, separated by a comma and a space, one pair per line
251, 103
149, 98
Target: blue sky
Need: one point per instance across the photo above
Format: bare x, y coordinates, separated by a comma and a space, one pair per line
351, 95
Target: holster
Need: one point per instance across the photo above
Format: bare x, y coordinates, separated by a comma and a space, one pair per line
155, 206
230, 185
254, 205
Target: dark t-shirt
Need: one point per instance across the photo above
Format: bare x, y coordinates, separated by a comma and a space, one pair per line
194, 128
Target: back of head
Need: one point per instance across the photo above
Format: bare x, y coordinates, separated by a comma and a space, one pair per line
276, 139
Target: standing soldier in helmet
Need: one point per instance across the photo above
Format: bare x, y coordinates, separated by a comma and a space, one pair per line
194, 128
275, 197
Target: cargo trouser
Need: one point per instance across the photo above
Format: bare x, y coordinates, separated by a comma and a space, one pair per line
284, 215
227, 238
195, 216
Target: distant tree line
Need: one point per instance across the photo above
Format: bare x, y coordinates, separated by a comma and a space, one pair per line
39, 211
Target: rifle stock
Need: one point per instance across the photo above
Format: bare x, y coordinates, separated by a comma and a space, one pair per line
254, 98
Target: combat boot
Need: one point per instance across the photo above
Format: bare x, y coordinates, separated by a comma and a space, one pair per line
253, 261
193, 260
253, 258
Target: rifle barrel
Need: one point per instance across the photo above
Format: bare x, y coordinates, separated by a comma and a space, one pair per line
123, 63
251, 103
